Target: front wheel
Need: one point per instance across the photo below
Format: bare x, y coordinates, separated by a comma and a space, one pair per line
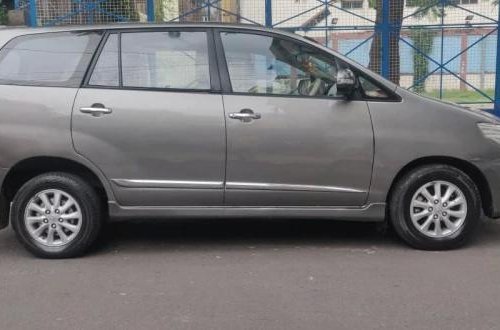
56, 215
435, 207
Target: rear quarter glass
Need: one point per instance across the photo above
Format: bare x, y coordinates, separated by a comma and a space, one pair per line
56, 59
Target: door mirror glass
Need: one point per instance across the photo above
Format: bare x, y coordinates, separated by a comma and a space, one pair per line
346, 82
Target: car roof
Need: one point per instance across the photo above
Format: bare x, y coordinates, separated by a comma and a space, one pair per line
116, 26
9, 33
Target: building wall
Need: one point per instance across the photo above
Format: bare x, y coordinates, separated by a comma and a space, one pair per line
284, 9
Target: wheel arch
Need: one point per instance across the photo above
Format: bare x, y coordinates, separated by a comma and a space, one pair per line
25, 170
468, 168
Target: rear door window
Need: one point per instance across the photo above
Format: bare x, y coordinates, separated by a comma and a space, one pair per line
154, 60
165, 60
50, 59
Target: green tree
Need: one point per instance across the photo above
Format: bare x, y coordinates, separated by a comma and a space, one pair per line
422, 40
396, 8
3, 13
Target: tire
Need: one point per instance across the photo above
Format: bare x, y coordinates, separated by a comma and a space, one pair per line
71, 236
406, 208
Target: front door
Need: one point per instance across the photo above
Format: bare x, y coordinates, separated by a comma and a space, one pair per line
149, 121
292, 140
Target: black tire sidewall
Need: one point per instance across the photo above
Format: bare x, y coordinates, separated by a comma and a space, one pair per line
400, 207
84, 196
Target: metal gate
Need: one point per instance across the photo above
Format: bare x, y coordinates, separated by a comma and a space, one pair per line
440, 48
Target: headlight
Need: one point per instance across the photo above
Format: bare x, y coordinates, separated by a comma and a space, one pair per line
490, 131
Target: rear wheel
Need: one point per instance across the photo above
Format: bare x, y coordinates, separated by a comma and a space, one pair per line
56, 215
435, 207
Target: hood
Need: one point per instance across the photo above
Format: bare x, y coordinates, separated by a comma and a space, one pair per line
478, 115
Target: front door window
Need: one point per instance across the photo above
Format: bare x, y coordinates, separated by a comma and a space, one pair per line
267, 65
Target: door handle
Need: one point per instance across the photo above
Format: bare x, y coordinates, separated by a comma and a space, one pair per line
245, 115
238, 115
96, 110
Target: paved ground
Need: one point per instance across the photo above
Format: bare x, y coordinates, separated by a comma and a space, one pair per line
236, 274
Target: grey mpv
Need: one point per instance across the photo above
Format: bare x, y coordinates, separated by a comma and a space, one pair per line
184, 120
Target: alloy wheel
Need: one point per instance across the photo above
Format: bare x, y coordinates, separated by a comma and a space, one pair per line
438, 209
53, 218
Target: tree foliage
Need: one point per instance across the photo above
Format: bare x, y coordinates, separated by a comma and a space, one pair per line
396, 8
422, 40
425, 7
3, 13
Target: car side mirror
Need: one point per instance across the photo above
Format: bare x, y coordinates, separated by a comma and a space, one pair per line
346, 82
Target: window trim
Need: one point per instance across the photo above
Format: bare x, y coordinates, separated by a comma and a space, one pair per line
226, 79
95, 58
212, 62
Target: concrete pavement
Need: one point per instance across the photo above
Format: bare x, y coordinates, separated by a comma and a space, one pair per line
253, 274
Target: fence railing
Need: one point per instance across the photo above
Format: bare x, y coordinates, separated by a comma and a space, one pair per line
441, 48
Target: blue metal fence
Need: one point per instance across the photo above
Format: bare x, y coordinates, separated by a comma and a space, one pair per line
443, 48
497, 75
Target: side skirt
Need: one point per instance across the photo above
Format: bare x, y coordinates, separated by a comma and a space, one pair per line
370, 213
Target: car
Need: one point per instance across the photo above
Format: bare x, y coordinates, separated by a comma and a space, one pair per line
179, 120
